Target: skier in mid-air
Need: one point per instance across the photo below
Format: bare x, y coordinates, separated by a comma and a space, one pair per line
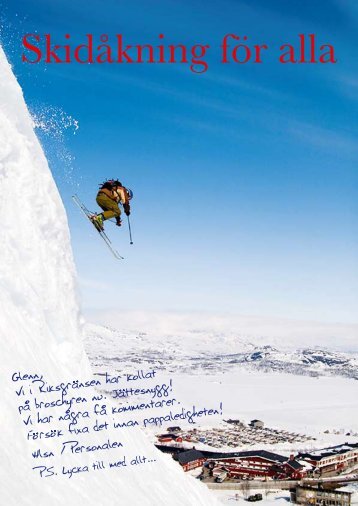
110, 194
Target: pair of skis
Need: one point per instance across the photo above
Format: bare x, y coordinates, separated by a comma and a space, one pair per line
104, 236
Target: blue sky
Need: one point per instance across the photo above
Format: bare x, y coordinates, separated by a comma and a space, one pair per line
245, 177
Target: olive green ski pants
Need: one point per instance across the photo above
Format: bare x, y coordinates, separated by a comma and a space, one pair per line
109, 206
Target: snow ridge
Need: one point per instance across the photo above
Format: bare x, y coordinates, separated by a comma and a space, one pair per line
210, 352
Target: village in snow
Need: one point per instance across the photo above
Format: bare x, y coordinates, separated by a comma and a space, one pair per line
303, 445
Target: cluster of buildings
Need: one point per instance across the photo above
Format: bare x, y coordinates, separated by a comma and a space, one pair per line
317, 466
332, 460
266, 465
256, 464
314, 474
235, 434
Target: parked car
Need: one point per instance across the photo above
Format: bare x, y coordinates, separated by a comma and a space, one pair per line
255, 497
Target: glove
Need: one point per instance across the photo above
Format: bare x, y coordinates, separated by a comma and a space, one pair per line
118, 221
127, 209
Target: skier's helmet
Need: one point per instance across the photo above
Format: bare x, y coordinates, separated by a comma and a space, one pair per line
129, 193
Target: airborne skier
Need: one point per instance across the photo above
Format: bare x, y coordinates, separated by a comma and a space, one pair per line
110, 194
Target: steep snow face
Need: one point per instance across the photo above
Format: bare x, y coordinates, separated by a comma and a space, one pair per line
40, 331
36, 266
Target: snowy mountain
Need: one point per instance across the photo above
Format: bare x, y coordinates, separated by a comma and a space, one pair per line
199, 352
41, 334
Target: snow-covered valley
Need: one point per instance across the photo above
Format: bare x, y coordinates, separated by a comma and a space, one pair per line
201, 352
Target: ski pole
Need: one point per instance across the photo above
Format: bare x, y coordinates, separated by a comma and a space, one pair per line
130, 231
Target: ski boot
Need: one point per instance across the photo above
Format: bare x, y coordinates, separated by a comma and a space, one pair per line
97, 220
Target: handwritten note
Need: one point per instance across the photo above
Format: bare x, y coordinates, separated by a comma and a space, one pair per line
77, 426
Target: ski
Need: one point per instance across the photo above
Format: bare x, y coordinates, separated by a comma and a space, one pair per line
104, 236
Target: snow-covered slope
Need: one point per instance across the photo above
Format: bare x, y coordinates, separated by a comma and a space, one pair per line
40, 330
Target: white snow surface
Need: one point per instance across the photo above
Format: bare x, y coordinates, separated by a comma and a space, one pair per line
41, 332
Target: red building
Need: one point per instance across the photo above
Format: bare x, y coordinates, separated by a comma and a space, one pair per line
190, 459
258, 464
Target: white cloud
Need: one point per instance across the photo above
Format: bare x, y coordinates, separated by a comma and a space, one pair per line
330, 140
